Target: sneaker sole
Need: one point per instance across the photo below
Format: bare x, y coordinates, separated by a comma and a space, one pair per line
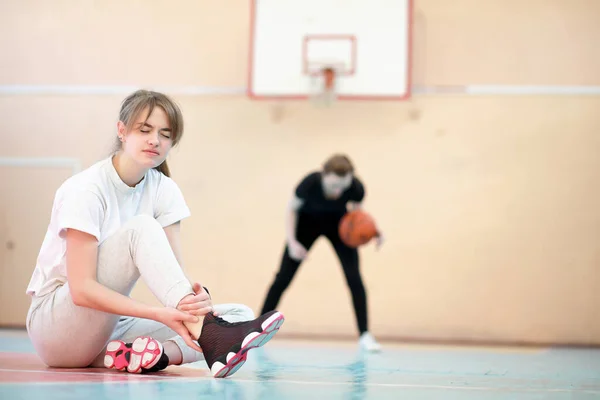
254, 340
145, 353
114, 361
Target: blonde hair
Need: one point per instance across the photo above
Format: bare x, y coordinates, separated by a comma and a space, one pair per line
142, 100
338, 164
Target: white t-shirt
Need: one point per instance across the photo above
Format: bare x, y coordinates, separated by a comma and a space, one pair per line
98, 202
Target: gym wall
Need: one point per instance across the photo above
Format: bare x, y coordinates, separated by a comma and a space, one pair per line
489, 203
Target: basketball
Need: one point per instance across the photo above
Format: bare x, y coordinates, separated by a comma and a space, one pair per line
357, 228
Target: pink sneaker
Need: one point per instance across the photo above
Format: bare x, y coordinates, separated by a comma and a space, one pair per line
143, 355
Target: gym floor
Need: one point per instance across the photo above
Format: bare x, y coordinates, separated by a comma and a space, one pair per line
293, 369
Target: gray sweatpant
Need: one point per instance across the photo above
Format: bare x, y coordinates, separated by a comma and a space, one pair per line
67, 335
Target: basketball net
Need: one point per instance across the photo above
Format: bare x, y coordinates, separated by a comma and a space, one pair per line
323, 90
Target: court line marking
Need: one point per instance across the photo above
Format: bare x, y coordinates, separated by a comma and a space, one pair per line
422, 386
66, 372
157, 378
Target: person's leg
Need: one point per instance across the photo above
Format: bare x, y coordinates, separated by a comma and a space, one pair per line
307, 231
350, 264
349, 259
129, 329
66, 335
287, 270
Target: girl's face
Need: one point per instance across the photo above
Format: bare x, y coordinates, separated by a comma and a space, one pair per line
149, 140
334, 185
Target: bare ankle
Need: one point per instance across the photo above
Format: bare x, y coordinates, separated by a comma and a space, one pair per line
195, 328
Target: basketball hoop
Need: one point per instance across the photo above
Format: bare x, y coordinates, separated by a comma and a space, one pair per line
324, 90
329, 78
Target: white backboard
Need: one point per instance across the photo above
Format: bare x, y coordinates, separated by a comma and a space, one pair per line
367, 42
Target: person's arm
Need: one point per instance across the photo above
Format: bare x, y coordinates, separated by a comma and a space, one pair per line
86, 291
295, 249
80, 216
357, 195
300, 196
354, 205
291, 218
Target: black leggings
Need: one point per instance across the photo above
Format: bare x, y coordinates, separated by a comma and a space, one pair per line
308, 230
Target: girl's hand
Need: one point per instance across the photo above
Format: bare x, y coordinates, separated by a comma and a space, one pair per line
296, 250
199, 304
174, 319
379, 239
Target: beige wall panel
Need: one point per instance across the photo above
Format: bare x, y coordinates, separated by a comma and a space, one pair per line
489, 205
